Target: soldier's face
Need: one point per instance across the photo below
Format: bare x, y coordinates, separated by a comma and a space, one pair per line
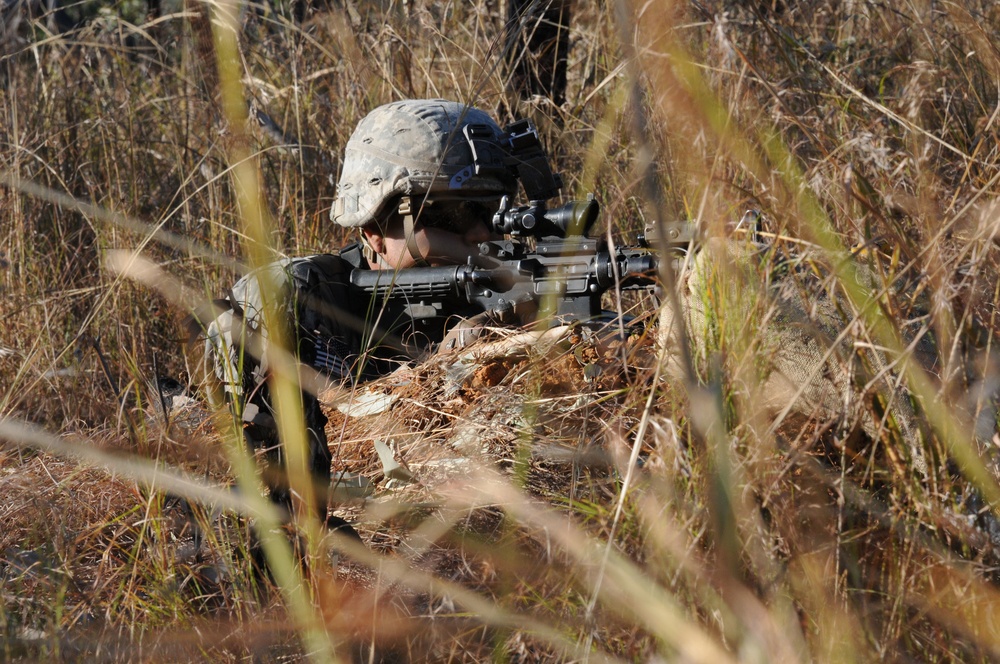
443, 235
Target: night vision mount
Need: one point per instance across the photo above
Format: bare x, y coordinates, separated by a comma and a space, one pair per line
529, 161
520, 154
526, 160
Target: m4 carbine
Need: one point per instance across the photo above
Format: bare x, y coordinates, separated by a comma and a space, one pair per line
561, 277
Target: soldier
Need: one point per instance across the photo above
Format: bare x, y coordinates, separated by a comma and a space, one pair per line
421, 180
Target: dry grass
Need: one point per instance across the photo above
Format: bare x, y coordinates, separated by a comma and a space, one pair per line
571, 501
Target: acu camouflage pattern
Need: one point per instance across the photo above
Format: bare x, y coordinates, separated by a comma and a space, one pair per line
416, 147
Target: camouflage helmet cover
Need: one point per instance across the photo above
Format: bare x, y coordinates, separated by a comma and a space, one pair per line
416, 147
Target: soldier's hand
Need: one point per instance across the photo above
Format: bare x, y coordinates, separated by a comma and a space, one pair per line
470, 330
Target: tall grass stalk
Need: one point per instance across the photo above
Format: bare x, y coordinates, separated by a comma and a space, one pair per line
582, 501
285, 383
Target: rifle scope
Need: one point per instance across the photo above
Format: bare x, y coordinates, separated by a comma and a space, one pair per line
574, 218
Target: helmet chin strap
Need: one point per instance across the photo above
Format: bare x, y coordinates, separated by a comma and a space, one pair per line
372, 256
410, 232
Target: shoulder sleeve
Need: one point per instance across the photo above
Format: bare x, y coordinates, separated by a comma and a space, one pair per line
328, 328
236, 340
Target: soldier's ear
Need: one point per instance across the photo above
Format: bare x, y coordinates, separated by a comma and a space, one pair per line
374, 239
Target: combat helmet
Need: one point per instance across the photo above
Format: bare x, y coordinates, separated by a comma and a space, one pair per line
420, 147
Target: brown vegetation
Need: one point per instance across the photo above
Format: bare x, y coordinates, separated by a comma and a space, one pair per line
577, 499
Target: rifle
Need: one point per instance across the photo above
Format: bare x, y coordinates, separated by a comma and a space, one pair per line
547, 268
562, 277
